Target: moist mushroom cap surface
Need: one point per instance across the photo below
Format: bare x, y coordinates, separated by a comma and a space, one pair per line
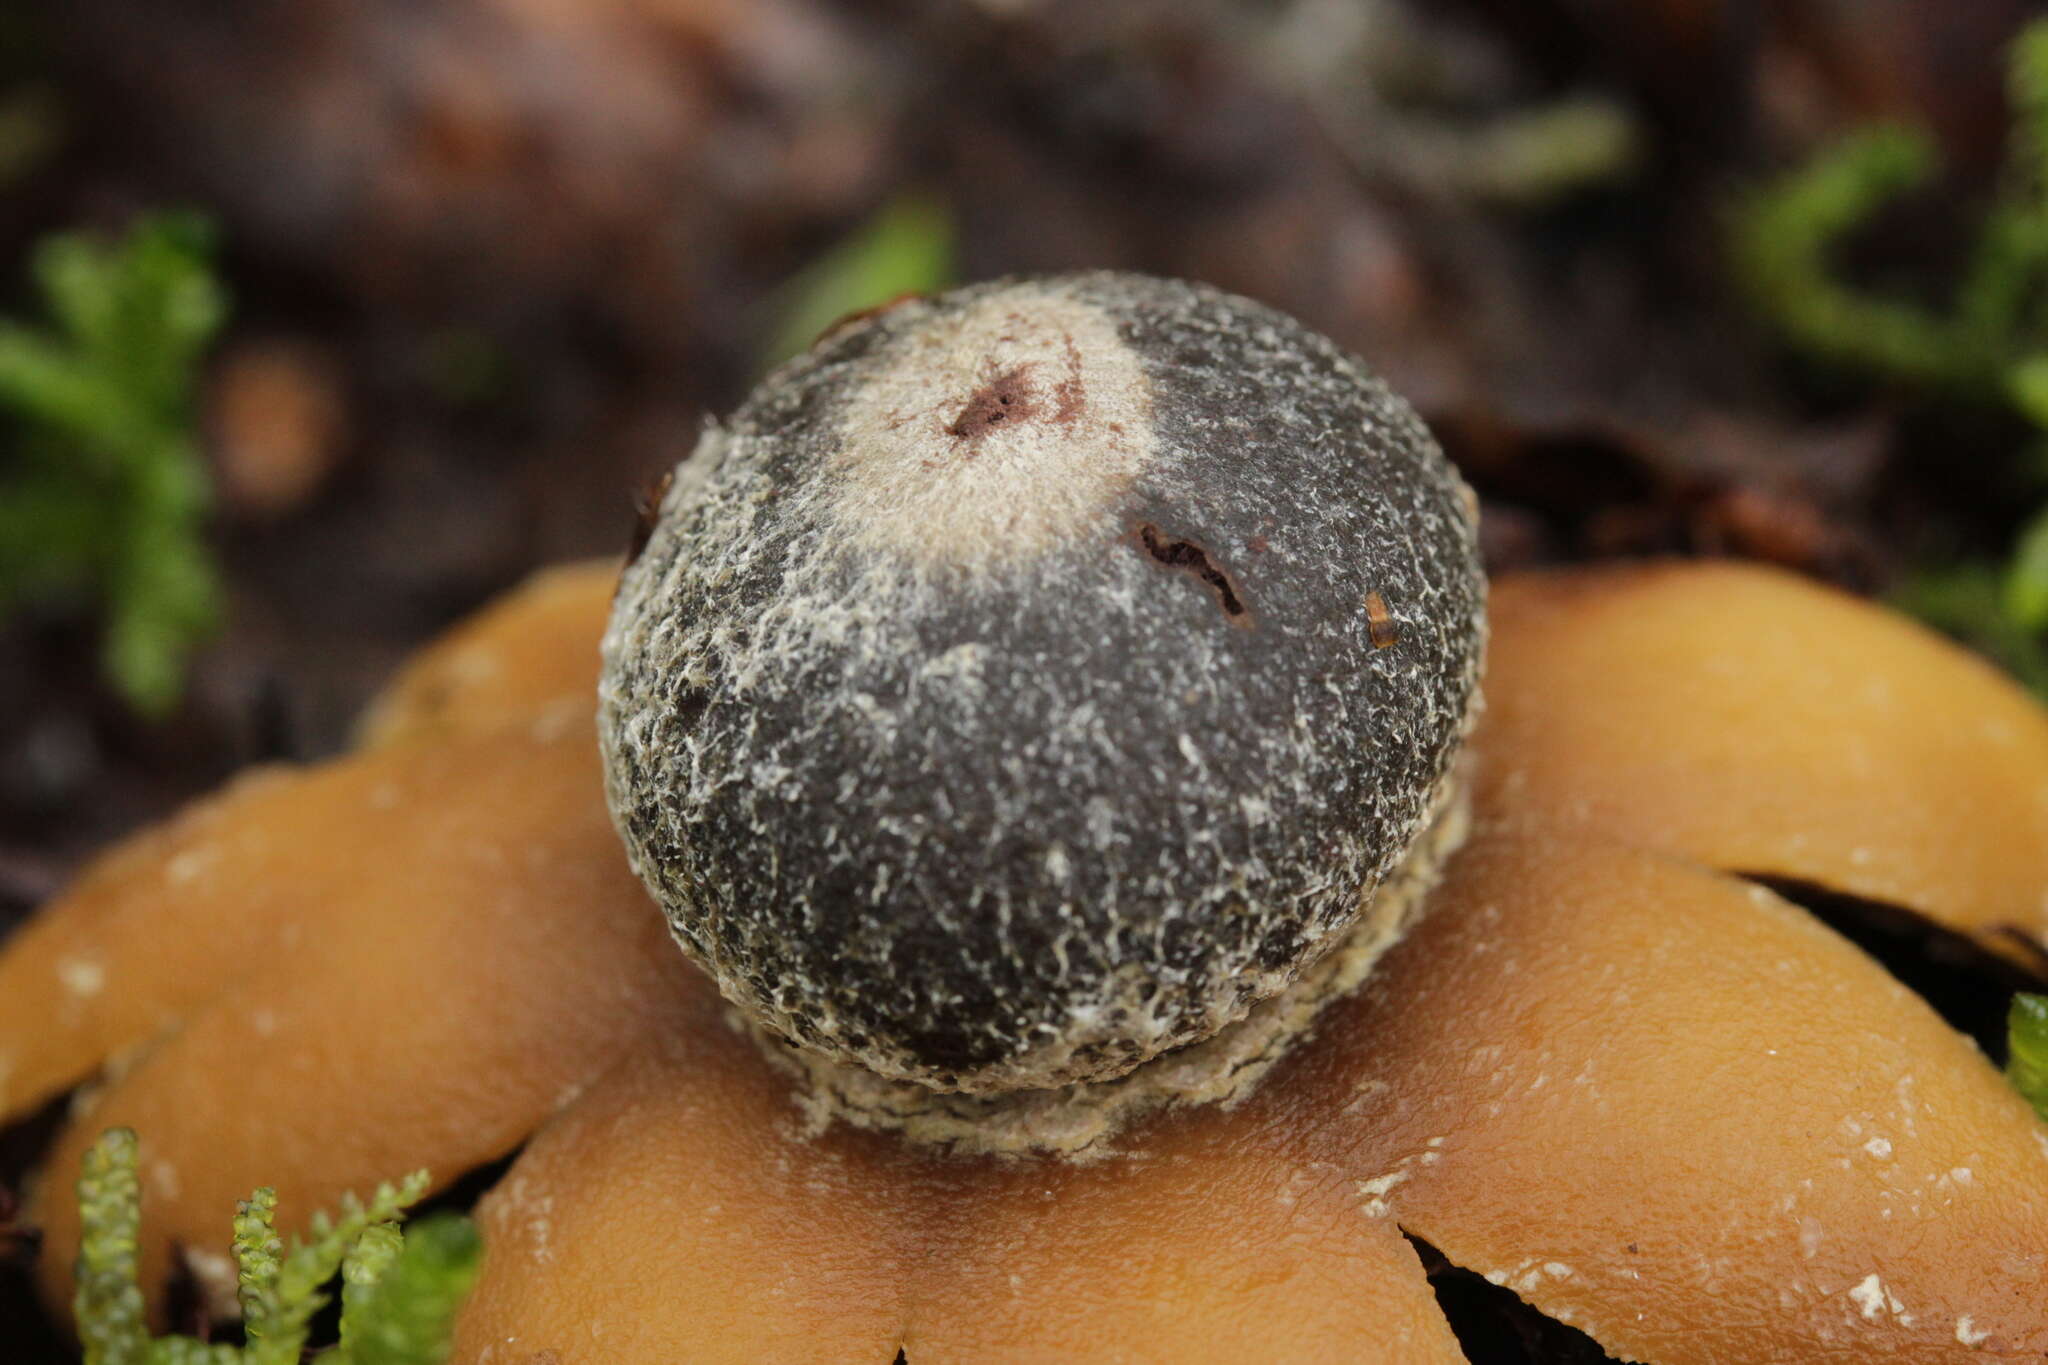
1653, 1100
1030, 680
1762, 724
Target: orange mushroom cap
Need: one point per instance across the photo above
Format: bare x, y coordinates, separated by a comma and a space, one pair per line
1661, 1104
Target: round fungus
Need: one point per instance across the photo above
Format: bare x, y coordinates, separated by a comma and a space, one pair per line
1031, 680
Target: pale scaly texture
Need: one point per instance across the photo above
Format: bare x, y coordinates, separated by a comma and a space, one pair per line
1029, 681
1761, 723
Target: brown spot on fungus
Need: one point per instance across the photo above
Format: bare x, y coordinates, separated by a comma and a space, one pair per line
1379, 622
1008, 397
1071, 393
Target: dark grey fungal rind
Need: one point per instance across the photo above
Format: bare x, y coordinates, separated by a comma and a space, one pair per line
1082, 1121
1030, 680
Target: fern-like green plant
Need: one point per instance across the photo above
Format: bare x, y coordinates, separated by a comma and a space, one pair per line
1988, 346
400, 1287
102, 486
1991, 342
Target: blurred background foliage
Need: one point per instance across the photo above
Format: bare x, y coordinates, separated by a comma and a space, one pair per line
1987, 346
103, 489
1692, 276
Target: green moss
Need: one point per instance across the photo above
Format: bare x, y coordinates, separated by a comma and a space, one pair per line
2026, 1061
400, 1287
1986, 347
1988, 343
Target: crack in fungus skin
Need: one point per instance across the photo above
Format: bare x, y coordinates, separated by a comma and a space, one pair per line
1191, 559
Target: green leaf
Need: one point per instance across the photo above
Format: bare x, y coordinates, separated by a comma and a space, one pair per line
2027, 385
2027, 1057
405, 1314
52, 386
1990, 347
81, 284
906, 248
362, 1271
277, 1331
165, 598
100, 404
2026, 577
2026, 88
1784, 235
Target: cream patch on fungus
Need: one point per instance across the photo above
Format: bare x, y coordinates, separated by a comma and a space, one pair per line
1871, 1298
994, 433
1373, 1193
191, 864
82, 977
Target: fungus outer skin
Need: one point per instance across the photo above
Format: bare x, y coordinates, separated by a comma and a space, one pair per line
1091, 750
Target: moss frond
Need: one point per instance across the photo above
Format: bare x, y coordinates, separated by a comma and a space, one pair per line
277, 1334
101, 479
1784, 240
1989, 347
402, 1313
401, 1286
108, 1301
